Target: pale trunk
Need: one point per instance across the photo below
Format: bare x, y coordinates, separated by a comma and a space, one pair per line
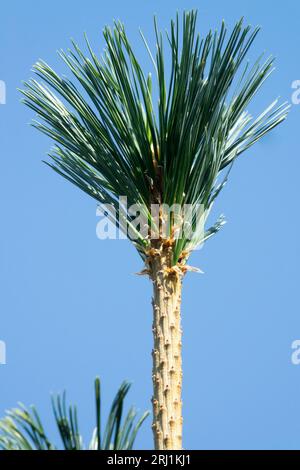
167, 362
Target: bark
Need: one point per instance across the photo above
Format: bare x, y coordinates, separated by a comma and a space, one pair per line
167, 362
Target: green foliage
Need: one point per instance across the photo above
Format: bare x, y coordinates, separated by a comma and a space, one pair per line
22, 429
112, 139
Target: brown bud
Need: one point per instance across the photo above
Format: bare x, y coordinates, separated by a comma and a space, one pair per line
171, 421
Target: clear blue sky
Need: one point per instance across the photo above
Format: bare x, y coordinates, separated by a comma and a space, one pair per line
71, 306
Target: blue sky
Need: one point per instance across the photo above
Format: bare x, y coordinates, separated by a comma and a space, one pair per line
71, 306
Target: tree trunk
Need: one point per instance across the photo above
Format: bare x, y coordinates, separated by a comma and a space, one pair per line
167, 362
